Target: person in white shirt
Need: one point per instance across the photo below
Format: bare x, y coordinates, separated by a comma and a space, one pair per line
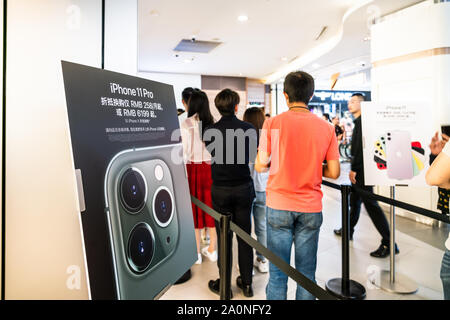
439, 175
198, 166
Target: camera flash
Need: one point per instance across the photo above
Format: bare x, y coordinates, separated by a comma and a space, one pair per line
159, 173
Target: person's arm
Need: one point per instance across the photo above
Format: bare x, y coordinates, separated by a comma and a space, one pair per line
357, 150
332, 169
262, 163
186, 139
439, 172
437, 145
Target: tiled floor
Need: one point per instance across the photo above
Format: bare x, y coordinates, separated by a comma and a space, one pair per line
421, 251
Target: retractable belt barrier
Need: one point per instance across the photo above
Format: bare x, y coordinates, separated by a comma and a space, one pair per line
403, 205
340, 288
291, 272
389, 280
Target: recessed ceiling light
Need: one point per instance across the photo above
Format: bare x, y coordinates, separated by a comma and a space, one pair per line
242, 18
188, 60
368, 38
284, 59
316, 66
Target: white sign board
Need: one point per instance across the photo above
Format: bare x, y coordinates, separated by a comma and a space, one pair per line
395, 142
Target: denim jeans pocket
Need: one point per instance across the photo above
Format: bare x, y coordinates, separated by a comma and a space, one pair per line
278, 218
312, 221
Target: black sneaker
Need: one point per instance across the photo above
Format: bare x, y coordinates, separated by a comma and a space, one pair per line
214, 286
338, 232
247, 290
383, 251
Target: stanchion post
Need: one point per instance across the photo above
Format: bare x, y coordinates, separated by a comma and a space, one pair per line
392, 236
225, 265
391, 281
345, 193
344, 288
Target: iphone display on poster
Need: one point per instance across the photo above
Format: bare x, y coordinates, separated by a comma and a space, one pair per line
137, 216
395, 140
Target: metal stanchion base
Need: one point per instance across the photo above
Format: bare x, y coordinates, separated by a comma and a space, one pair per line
356, 290
402, 284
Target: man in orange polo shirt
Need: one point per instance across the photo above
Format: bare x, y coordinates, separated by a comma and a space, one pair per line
294, 146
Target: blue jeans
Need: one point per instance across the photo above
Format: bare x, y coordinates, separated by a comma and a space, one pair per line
283, 229
259, 216
445, 274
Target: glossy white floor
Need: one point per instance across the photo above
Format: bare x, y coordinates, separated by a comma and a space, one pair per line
418, 260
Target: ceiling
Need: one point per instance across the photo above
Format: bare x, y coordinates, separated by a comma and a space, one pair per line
275, 29
351, 56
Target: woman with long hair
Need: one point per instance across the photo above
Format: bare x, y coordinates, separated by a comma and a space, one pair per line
198, 165
256, 117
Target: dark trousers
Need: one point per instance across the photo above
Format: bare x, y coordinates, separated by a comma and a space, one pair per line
237, 202
373, 209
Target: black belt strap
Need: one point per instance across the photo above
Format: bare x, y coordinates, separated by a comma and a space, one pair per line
291, 272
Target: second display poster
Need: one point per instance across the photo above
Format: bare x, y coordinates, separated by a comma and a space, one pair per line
395, 143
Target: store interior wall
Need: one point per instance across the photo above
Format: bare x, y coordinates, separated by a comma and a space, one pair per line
44, 249
1, 146
179, 82
44, 243
393, 80
121, 36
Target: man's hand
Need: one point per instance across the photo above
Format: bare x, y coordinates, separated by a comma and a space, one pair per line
352, 177
437, 145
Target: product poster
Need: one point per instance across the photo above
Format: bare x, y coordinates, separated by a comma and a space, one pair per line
395, 143
132, 184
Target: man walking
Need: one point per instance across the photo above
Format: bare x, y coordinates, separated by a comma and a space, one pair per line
357, 178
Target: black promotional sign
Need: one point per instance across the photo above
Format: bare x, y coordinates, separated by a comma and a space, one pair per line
134, 195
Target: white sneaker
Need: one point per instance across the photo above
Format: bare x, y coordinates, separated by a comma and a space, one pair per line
199, 259
211, 256
262, 266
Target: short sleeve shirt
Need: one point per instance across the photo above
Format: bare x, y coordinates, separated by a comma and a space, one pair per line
298, 143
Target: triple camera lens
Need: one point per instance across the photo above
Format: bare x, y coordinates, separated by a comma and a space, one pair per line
141, 247
133, 190
133, 195
163, 206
